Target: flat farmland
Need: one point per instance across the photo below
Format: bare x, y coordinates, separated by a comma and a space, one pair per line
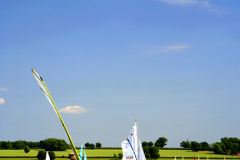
89, 152
190, 153
168, 154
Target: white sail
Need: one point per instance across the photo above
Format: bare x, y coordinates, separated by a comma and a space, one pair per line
47, 156
132, 148
127, 151
133, 139
141, 152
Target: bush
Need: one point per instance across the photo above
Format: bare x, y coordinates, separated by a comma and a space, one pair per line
41, 155
120, 155
91, 146
87, 144
53, 144
154, 152
98, 145
146, 152
52, 155
26, 149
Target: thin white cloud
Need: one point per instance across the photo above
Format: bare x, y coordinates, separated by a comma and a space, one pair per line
75, 109
3, 89
157, 49
2, 101
203, 3
179, 2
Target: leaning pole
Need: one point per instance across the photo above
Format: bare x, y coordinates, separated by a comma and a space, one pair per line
45, 91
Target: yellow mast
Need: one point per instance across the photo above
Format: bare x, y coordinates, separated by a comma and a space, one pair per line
49, 97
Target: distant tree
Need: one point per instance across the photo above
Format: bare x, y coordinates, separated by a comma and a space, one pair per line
185, 144
6, 145
144, 143
26, 149
234, 148
98, 144
195, 146
53, 144
217, 149
120, 155
19, 144
87, 144
42, 144
91, 146
146, 151
41, 155
161, 142
150, 144
52, 155
154, 152
205, 146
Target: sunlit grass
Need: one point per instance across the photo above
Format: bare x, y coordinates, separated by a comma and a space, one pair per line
109, 153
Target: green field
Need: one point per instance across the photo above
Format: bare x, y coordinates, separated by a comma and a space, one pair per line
89, 152
168, 154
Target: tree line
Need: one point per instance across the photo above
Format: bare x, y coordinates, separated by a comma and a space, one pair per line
20, 144
151, 150
227, 145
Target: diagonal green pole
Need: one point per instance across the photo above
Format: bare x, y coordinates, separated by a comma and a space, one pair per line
57, 112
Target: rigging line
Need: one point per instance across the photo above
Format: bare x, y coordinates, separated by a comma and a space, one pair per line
132, 148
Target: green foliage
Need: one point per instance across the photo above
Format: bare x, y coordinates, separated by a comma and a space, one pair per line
120, 155
154, 152
91, 146
217, 149
53, 144
150, 144
195, 146
146, 151
41, 155
52, 155
87, 144
205, 146
185, 144
228, 151
26, 149
144, 143
161, 142
98, 144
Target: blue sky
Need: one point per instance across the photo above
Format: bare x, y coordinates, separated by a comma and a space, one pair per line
172, 64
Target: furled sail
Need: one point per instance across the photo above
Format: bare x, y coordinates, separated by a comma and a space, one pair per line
45, 91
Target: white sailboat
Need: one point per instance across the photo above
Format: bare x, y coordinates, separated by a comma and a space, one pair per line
132, 147
47, 156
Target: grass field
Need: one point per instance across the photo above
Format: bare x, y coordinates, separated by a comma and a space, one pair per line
89, 152
109, 153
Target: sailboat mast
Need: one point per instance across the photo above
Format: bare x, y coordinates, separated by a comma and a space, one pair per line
137, 139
